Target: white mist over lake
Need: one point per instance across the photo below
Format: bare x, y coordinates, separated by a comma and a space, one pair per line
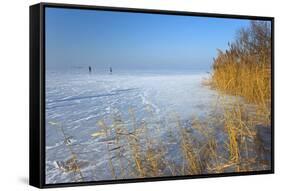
77, 100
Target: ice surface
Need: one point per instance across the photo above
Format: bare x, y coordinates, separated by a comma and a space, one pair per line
75, 101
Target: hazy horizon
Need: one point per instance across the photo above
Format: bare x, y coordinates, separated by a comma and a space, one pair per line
134, 41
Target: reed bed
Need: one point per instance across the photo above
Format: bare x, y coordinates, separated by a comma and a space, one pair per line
244, 69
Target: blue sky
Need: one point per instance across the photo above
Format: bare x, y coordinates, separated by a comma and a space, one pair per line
134, 41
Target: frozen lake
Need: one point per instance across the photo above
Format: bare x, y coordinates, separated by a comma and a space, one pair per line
76, 101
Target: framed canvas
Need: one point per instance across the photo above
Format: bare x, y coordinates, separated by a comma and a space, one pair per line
122, 95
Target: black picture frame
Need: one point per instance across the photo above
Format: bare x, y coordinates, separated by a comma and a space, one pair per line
37, 93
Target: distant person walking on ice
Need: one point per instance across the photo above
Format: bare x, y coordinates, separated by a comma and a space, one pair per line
110, 70
90, 69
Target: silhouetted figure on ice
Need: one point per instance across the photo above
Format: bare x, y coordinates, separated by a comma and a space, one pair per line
110, 70
90, 69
